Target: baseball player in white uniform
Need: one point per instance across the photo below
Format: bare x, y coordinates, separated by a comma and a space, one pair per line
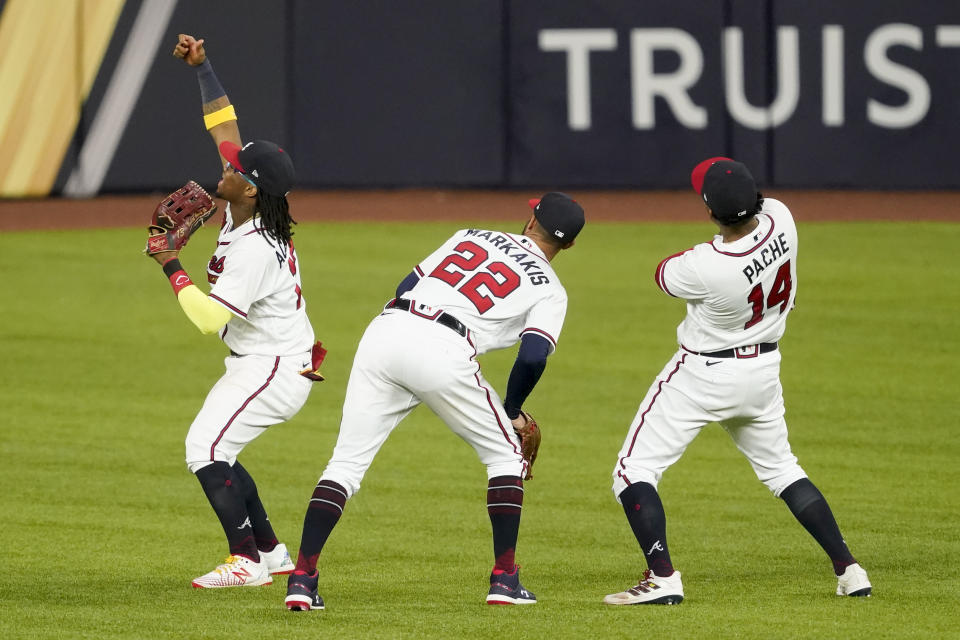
257, 307
739, 289
480, 290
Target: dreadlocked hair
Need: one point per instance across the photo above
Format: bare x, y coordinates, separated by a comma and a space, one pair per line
275, 217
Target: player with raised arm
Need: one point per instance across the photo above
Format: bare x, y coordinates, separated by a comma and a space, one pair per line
739, 289
481, 290
257, 307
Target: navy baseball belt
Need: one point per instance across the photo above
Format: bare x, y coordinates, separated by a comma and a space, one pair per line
750, 351
443, 317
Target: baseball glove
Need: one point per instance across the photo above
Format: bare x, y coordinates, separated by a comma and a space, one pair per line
529, 435
177, 216
317, 354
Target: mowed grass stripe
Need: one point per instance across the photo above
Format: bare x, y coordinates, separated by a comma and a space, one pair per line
105, 528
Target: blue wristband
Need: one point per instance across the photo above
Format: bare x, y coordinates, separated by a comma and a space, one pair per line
210, 88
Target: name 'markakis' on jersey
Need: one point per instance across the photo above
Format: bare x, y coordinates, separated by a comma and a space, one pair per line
511, 249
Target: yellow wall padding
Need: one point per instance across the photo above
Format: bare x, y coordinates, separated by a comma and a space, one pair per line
50, 53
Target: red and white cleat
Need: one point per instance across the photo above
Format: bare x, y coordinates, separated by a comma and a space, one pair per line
236, 571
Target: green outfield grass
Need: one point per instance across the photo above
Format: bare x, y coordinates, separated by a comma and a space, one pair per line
104, 528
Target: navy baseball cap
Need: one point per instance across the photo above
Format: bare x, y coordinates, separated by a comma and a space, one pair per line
559, 214
727, 187
266, 164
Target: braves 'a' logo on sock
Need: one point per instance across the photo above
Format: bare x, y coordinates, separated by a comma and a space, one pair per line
656, 547
246, 523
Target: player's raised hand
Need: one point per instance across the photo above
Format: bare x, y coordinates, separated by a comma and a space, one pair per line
190, 50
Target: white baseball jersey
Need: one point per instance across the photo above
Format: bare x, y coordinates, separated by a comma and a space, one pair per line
258, 280
738, 296
737, 293
499, 285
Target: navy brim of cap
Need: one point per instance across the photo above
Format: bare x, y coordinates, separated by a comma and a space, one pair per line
230, 153
699, 171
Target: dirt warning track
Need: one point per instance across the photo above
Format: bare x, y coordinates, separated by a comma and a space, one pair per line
412, 205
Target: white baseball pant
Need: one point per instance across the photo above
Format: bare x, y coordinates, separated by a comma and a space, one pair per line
254, 393
401, 361
743, 395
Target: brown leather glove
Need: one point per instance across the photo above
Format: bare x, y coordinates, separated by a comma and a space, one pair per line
529, 434
176, 218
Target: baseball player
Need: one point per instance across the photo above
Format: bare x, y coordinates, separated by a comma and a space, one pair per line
256, 306
739, 289
481, 290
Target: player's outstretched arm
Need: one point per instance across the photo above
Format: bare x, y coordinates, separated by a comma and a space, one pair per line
219, 116
527, 369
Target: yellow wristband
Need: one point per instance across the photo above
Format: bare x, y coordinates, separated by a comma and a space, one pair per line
219, 117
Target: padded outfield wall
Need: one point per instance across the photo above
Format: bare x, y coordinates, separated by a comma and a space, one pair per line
487, 93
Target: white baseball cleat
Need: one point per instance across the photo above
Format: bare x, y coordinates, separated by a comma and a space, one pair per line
652, 589
278, 561
854, 582
236, 571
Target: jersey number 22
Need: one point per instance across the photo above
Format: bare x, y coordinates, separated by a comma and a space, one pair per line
497, 277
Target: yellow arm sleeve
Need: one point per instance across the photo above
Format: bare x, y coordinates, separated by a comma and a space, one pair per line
209, 316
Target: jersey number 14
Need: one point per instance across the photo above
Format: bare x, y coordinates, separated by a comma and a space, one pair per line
779, 295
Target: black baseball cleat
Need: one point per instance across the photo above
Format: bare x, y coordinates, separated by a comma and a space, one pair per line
505, 588
302, 592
